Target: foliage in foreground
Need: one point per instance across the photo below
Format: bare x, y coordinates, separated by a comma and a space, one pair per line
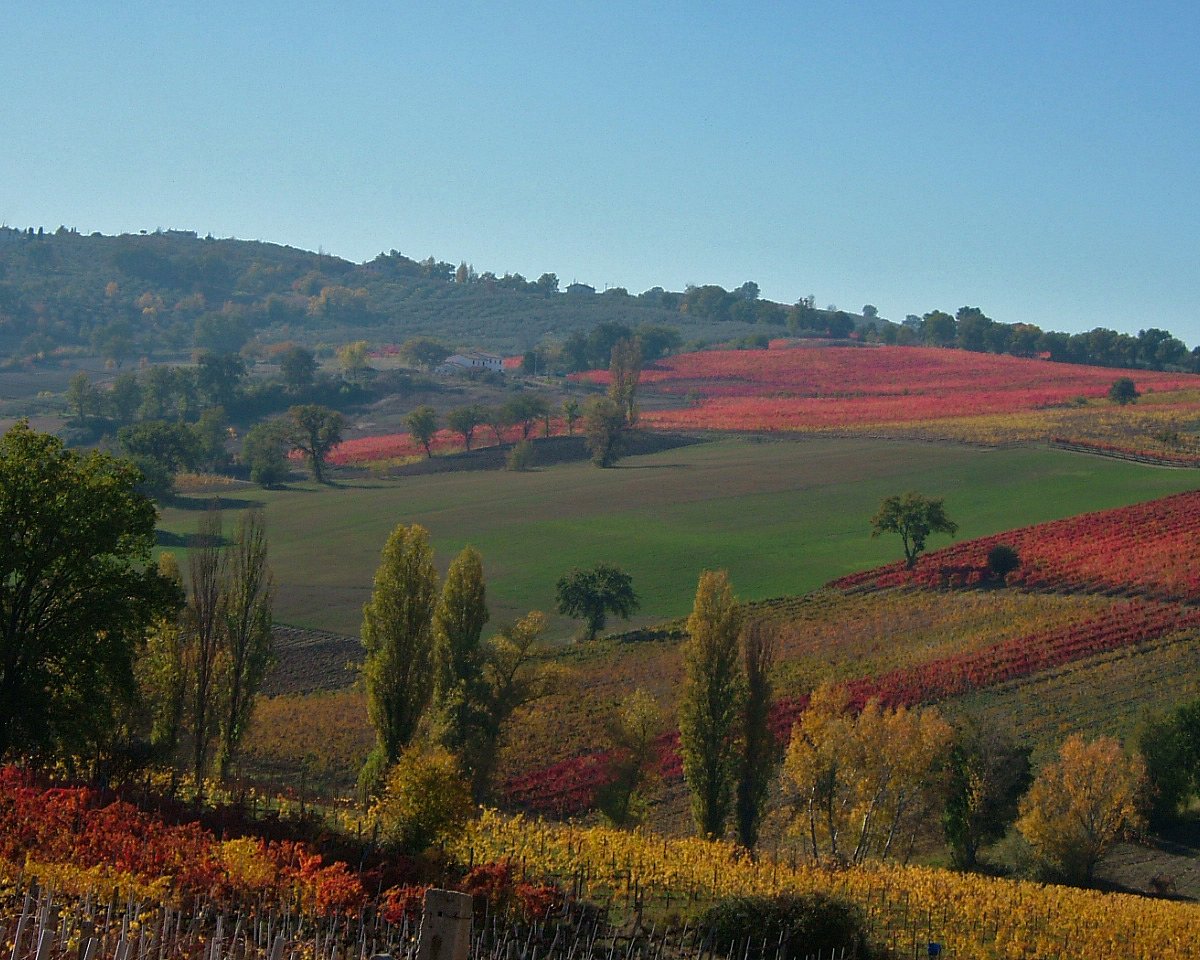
976, 917
787, 926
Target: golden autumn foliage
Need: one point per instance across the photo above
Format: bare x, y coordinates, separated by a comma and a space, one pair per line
1081, 804
864, 783
974, 917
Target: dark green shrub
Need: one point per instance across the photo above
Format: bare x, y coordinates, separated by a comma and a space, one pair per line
804, 924
1003, 560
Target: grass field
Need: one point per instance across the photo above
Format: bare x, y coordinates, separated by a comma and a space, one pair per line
782, 516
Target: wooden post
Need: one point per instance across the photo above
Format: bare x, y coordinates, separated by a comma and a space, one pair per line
445, 926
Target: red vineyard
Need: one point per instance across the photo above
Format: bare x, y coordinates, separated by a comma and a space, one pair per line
1149, 549
570, 787
837, 387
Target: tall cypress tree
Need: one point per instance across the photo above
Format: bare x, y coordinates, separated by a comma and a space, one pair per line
398, 635
711, 702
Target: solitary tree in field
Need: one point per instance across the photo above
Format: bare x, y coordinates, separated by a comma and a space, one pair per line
711, 702
914, 517
397, 633
314, 431
422, 425
1123, 391
593, 594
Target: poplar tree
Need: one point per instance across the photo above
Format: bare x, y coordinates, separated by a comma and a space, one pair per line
247, 639
398, 635
756, 765
711, 702
460, 692
206, 566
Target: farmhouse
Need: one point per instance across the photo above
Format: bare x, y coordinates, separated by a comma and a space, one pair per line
471, 361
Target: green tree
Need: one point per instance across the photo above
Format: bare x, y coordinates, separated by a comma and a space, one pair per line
604, 431
263, 452
424, 352
631, 736
464, 421
711, 701
514, 678
83, 399
298, 367
571, 414
161, 670
938, 328
77, 591
219, 377
1003, 560
759, 754
523, 410
173, 445
210, 437
124, 398
914, 517
397, 632
593, 594
460, 695
1123, 391
247, 641
1170, 747
987, 772
497, 420
422, 425
314, 431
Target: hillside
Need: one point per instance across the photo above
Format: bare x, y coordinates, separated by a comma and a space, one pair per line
166, 293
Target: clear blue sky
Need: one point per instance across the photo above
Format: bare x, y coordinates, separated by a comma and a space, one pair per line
1037, 159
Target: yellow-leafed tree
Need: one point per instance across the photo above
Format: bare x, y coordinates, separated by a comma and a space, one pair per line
1081, 804
864, 783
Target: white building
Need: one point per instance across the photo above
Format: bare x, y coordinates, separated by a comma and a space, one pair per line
471, 361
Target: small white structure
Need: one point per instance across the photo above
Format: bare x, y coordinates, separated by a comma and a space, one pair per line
471, 361
445, 926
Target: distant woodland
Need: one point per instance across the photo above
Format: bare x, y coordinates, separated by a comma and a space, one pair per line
168, 294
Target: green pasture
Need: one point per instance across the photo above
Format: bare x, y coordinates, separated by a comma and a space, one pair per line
782, 516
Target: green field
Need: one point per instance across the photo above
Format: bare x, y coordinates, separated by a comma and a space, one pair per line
781, 516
